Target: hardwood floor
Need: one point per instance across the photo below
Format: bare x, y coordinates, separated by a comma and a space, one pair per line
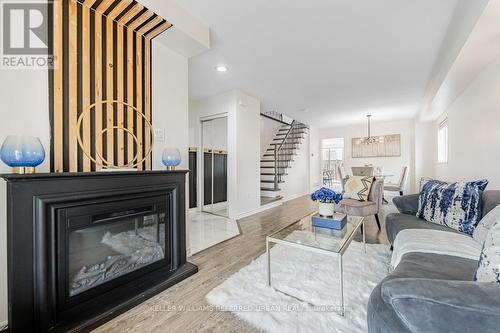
183, 308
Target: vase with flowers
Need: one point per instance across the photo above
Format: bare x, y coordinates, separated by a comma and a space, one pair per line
327, 200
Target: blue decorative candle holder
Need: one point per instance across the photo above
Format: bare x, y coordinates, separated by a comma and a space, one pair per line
171, 158
22, 153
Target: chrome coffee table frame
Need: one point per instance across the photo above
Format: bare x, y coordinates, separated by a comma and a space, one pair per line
359, 222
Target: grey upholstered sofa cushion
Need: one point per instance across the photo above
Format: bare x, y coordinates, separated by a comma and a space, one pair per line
382, 317
491, 199
430, 305
396, 222
407, 204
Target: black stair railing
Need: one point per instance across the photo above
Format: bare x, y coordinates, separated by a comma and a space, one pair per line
277, 116
281, 164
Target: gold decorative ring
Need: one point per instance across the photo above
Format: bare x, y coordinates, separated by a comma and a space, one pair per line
105, 163
98, 140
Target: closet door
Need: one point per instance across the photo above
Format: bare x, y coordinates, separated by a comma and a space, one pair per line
220, 177
207, 178
214, 170
193, 186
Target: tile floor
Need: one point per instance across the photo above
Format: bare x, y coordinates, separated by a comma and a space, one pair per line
206, 230
220, 209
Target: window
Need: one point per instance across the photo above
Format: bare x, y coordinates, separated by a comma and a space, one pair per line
443, 142
332, 158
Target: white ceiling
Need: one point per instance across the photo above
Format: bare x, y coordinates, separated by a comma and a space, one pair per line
338, 59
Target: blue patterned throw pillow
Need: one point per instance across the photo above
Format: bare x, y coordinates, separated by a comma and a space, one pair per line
456, 205
488, 269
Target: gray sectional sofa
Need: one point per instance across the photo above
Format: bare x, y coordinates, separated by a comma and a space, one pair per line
431, 292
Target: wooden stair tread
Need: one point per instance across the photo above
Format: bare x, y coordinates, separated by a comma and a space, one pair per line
281, 134
272, 174
272, 149
280, 154
270, 189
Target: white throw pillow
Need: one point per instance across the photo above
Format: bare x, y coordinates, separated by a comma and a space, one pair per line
488, 269
358, 187
485, 225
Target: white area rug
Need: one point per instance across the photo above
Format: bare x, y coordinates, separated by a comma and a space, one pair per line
308, 276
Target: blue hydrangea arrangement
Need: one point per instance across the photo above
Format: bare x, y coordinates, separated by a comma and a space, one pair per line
326, 195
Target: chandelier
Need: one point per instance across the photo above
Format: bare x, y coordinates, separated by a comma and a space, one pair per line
369, 140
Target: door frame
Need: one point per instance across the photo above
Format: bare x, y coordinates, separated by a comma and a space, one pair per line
321, 154
201, 161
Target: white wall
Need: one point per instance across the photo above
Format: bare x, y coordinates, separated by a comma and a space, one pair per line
314, 159
392, 165
170, 102
474, 131
221, 104
25, 111
243, 145
244, 187
425, 151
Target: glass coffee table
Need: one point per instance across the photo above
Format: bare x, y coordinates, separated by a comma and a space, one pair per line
334, 243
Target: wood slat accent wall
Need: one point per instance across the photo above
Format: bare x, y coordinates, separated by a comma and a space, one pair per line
102, 51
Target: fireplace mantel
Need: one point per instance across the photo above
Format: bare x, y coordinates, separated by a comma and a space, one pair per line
13, 177
35, 204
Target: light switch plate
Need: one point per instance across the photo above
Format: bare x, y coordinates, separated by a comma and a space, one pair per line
159, 135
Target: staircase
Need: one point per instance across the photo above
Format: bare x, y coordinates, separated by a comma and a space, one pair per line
278, 158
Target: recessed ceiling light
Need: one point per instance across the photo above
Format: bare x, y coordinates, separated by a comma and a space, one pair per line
221, 68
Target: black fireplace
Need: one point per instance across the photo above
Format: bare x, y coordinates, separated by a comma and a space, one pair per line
84, 247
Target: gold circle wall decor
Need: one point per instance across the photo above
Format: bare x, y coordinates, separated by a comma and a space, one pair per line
105, 163
98, 141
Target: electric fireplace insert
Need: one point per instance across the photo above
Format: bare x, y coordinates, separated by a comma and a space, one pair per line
85, 247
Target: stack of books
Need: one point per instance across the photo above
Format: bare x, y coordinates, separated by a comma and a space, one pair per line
336, 222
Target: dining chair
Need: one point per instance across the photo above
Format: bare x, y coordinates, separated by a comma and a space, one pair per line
400, 186
328, 178
343, 175
365, 208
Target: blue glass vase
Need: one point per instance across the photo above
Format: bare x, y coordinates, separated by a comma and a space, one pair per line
22, 153
171, 158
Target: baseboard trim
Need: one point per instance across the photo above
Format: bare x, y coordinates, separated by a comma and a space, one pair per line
295, 196
257, 210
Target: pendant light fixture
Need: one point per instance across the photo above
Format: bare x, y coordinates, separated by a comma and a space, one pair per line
369, 139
